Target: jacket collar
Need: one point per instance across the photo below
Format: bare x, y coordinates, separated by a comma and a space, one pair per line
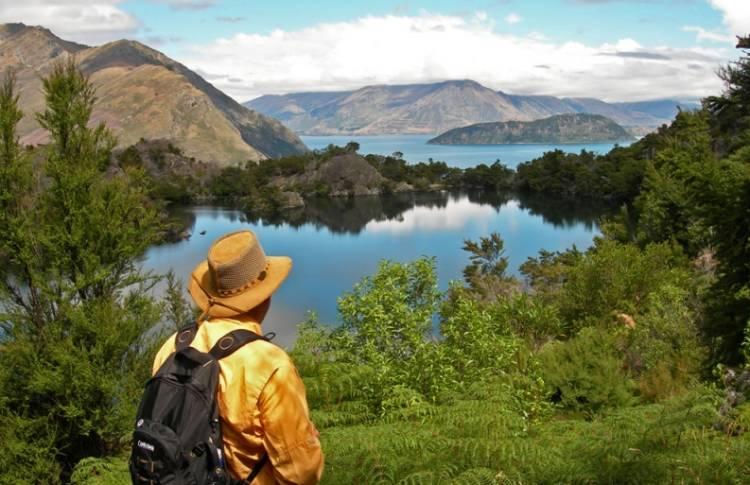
243, 321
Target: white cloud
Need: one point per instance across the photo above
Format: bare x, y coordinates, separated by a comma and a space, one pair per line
513, 18
88, 21
455, 215
187, 4
404, 49
703, 34
736, 15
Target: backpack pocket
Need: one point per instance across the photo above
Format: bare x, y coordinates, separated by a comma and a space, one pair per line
157, 454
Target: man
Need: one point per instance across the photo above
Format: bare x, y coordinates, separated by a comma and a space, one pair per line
261, 397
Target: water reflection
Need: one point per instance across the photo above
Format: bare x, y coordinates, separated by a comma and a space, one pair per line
422, 211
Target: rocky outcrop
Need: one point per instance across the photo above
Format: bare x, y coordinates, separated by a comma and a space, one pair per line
289, 200
340, 176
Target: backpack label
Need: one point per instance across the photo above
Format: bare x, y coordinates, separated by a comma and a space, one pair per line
146, 446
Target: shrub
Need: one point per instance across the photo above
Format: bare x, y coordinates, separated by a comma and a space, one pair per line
664, 348
100, 471
477, 344
585, 373
386, 324
529, 318
616, 278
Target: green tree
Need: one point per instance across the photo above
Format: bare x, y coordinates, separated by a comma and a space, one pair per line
731, 110
724, 207
76, 307
666, 208
485, 274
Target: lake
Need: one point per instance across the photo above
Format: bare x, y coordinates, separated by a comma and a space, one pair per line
416, 149
336, 242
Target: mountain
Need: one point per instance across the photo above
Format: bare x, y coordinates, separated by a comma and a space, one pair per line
141, 93
660, 109
565, 128
438, 107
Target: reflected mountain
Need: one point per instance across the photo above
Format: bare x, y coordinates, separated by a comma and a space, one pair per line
352, 215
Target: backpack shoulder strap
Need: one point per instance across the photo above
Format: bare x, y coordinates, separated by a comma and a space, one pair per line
185, 336
254, 472
226, 346
232, 341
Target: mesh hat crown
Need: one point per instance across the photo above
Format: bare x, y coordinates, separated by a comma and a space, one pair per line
237, 275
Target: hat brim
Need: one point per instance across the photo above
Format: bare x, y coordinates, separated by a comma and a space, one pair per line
278, 269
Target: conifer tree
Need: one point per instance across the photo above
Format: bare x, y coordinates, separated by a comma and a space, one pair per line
75, 307
731, 110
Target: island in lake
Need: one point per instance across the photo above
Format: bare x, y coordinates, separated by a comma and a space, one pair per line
564, 128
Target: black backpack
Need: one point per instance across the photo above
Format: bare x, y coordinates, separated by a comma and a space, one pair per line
177, 438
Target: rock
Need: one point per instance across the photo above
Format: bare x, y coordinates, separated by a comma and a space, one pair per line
626, 320
403, 187
290, 200
340, 176
350, 174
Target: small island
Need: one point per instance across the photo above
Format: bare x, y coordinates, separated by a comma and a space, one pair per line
564, 128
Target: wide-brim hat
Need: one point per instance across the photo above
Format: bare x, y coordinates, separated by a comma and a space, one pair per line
236, 276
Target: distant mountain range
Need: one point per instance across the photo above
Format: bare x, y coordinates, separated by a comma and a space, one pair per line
438, 107
144, 94
565, 128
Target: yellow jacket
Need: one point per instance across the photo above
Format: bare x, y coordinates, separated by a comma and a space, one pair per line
263, 407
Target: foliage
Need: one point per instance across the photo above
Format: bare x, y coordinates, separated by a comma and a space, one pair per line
616, 278
662, 348
386, 320
76, 308
546, 273
615, 176
485, 273
724, 201
666, 209
100, 471
585, 373
529, 318
731, 110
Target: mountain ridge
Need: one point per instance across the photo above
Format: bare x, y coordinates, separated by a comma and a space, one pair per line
142, 93
432, 108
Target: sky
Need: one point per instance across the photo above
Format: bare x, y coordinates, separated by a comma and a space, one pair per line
616, 50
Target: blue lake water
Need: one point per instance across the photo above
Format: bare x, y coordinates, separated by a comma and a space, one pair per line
334, 243
416, 149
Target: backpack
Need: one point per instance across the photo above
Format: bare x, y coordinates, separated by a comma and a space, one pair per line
177, 438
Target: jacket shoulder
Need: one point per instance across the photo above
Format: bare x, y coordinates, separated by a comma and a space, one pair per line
260, 357
266, 351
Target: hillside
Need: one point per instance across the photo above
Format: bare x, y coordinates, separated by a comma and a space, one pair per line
438, 107
144, 94
565, 128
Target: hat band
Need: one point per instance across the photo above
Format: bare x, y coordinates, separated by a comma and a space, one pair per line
261, 276
211, 302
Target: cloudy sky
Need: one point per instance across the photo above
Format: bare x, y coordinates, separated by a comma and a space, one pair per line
617, 50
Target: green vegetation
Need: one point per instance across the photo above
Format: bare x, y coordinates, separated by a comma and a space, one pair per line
626, 363
75, 309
